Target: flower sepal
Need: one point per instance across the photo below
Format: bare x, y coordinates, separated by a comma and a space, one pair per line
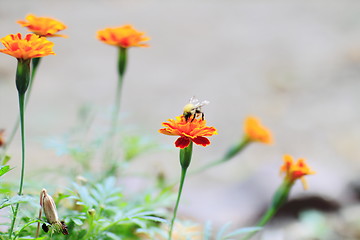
23, 75
185, 156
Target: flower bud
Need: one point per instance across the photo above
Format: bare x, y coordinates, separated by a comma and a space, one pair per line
92, 212
48, 205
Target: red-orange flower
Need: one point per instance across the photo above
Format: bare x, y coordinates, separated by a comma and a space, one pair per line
43, 26
125, 36
32, 46
195, 131
254, 131
294, 171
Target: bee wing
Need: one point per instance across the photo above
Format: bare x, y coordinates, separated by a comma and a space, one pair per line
197, 104
193, 100
203, 103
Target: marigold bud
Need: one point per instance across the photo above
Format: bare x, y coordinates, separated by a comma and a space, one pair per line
48, 205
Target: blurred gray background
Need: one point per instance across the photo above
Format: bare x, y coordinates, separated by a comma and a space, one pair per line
294, 65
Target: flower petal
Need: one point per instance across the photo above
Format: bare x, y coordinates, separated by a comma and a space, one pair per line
203, 141
182, 142
43, 26
257, 132
31, 46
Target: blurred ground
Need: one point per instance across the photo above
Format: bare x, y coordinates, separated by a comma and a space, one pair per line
294, 65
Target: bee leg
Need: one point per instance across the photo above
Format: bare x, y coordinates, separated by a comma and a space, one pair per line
202, 116
193, 117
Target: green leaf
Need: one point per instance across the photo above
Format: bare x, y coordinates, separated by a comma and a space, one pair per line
223, 229
31, 238
15, 200
156, 219
207, 231
77, 221
243, 231
6, 159
4, 169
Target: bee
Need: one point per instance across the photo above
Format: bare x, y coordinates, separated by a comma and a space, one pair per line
193, 109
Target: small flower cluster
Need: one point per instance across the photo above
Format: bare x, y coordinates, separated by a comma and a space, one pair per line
295, 170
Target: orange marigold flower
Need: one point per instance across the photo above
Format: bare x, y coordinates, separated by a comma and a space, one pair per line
125, 36
195, 131
32, 46
257, 132
43, 26
294, 171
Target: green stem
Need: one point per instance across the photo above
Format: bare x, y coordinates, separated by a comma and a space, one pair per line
90, 227
122, 60
21, 105
185, 159
25, 226
35, 63
22, 83
111, 140
232, 152
279, 198
182, 180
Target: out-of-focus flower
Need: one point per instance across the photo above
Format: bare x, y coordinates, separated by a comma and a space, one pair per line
32, 46
256, 132
2, 140
125, 36
43, 26
195, 131
295, 170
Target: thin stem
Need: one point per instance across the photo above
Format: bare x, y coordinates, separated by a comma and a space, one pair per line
38, 225
279, 198
25, 226
265, 219
35, 63
21, 106
232, 152
111, 140
90, 227
22, 80
185, 160
122, 60
182, 180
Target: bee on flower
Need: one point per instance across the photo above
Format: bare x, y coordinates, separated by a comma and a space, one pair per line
189, 131
193, 109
